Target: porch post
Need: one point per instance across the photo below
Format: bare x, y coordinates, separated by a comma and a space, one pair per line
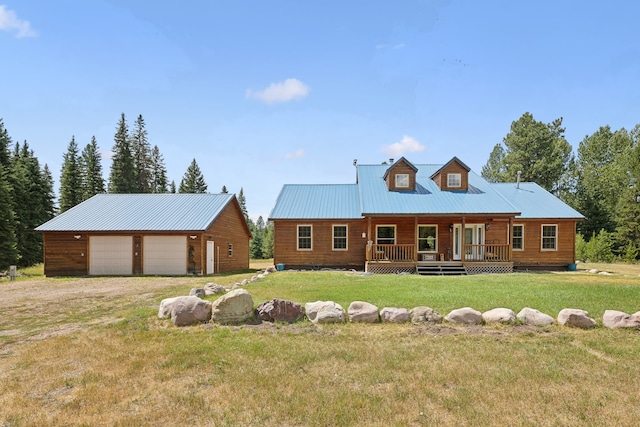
415, 238
510, 239
463, 249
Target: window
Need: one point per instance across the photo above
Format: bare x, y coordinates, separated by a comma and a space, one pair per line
517, 238
230, 249
304, 237
549, 237
386, 234
427, 238
454, 180
339, 237
402, 180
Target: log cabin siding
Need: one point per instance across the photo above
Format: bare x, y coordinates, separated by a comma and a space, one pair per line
322, 253
64, 255
228, 228
534, 256
453, 167
401, 168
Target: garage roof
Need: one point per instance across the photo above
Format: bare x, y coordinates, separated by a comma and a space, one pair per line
141, 212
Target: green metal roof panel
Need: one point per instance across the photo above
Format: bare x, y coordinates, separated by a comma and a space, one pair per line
534, 201
428, 199
141, 212
330, 201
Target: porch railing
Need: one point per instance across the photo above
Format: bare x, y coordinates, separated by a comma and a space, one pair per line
397, 253
490, 252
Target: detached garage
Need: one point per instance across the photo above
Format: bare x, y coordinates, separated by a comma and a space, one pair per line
150, 234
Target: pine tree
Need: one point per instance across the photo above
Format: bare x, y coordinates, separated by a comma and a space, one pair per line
91, 167
193, 180
172, 187
122, 177
71, 192
243, 204
141, 152
267, 241
5, 143
8, 241
158, 172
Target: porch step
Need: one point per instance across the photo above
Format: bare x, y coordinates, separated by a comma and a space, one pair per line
442, 270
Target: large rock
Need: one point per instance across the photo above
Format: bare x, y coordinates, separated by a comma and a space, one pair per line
465, 315
234, 307
617, 319
214, 289
531, 316
576, 318
197, 292
279, 310
425, 315
499, 315
364, 312
164, 312
394, 315
324, 312
190, 310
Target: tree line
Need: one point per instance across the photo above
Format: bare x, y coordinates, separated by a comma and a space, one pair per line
601, 180
28, 198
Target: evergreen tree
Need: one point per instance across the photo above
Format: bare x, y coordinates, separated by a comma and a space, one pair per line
122, 178
193, 180
224, 190
158, 172
71, 188
8, 241
48, 195
243, 204
256, 244
628, 208
5, 143
141, 151
172, 187
538, 150
267, 241
91, 166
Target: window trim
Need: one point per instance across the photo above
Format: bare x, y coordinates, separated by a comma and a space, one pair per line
418, 238
403, 175
386, 238
310, 237
555, 237
458, 177
333, 237
520, 237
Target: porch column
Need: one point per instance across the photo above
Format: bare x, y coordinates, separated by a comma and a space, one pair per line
463, 250
415, 238
510, 239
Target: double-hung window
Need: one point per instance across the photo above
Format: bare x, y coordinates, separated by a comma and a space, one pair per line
517, 239
305, 234
339, 237
427, 238
549, 237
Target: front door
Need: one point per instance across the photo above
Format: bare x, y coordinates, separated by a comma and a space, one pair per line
474, 235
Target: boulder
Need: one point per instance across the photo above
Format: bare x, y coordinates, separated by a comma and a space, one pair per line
324, 312
425, 315
531, 316
190, 310
636, 314
576, 318
197, 292
233, 307
271, 269
465, 315
394, 315
214, 289
279, 310
499, 315
617, 319
164, 312
364, 312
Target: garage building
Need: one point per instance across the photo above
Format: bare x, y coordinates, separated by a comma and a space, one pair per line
147, 234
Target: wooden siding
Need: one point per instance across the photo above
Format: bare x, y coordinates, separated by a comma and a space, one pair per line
454, 167
64, 255
534, 256
322, 253
401, 168
229, 227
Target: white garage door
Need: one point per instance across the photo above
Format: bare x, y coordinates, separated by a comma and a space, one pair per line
111, 255
165, 255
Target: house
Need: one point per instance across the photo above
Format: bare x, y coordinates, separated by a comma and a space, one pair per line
149, 234
423, 218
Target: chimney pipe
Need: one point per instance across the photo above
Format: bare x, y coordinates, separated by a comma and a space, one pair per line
518, 183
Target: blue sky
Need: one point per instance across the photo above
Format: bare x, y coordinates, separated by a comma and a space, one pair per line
265, 93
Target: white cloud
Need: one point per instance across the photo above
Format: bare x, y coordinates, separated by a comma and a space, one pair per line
287, 90
296, 155
406, 145
9, 22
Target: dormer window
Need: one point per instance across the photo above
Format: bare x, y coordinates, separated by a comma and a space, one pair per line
402, 180
454, 180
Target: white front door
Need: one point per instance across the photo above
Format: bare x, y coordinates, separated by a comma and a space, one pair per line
474, 235
210, 257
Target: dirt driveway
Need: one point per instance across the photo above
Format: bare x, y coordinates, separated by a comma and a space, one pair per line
39, 308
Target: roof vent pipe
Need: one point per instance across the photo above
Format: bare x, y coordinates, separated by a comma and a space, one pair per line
518, 182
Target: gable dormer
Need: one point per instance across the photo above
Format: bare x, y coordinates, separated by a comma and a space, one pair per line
453, 176
401, 176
